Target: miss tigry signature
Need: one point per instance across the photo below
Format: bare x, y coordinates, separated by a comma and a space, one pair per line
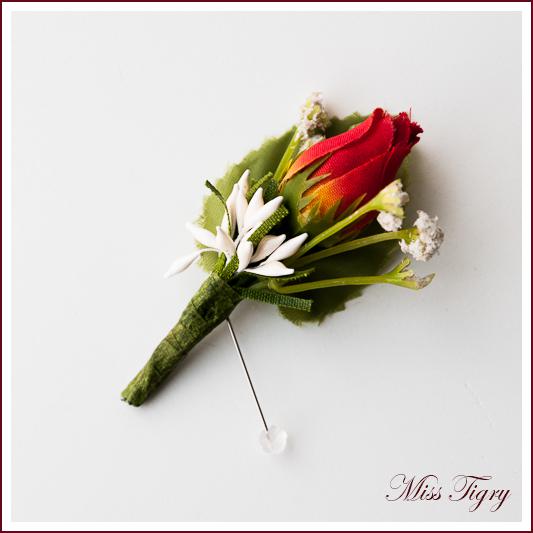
475, 490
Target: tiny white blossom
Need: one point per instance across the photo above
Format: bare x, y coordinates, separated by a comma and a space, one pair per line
389, 222
313, 117
392, 198
429, 239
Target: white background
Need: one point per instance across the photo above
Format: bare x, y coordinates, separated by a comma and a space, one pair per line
117, 120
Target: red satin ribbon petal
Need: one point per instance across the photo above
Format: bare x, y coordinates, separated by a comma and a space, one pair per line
349, 187
325, 147
376, 142
405, 130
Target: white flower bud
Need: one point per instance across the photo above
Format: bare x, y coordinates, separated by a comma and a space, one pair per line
184, 262
389, 222
263, 213
231, 204
272, 269
245, 251
392, 198
202, 235
224, 242
288, 248
243, 182
313, 117
266, 246
429, 239
255, 204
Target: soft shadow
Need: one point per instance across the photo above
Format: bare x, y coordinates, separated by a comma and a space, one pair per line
424, 186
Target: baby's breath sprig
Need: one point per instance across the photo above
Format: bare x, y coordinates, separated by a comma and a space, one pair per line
310, 129
428, 239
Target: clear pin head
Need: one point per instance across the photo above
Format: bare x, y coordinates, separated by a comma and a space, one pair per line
273, 441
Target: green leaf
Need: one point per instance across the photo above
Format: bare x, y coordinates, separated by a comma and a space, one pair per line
259, 183
274, 298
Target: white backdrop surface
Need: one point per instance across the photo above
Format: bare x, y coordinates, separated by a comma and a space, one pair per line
117, 120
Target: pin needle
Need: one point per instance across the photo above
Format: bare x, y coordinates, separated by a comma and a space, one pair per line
238, 348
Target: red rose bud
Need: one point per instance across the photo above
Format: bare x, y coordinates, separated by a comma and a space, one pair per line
356, 165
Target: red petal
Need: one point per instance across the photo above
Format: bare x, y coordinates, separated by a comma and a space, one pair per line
332, 144
396, 158
405, 130
405, 137
365, 180
402, 128
377, 141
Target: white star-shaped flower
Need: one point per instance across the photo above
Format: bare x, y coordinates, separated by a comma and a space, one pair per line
234, 231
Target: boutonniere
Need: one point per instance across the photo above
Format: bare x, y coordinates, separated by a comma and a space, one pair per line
303, 223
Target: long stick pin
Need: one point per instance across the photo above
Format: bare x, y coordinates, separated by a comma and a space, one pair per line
272, 439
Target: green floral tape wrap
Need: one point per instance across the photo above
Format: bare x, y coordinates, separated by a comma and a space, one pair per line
213, 303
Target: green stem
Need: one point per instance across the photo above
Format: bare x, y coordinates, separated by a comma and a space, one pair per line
214, 302
343, 282
406, 234
287, 156
340, 225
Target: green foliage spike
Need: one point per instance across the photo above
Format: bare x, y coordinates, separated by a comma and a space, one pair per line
259, 183
270, 223
217, 193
